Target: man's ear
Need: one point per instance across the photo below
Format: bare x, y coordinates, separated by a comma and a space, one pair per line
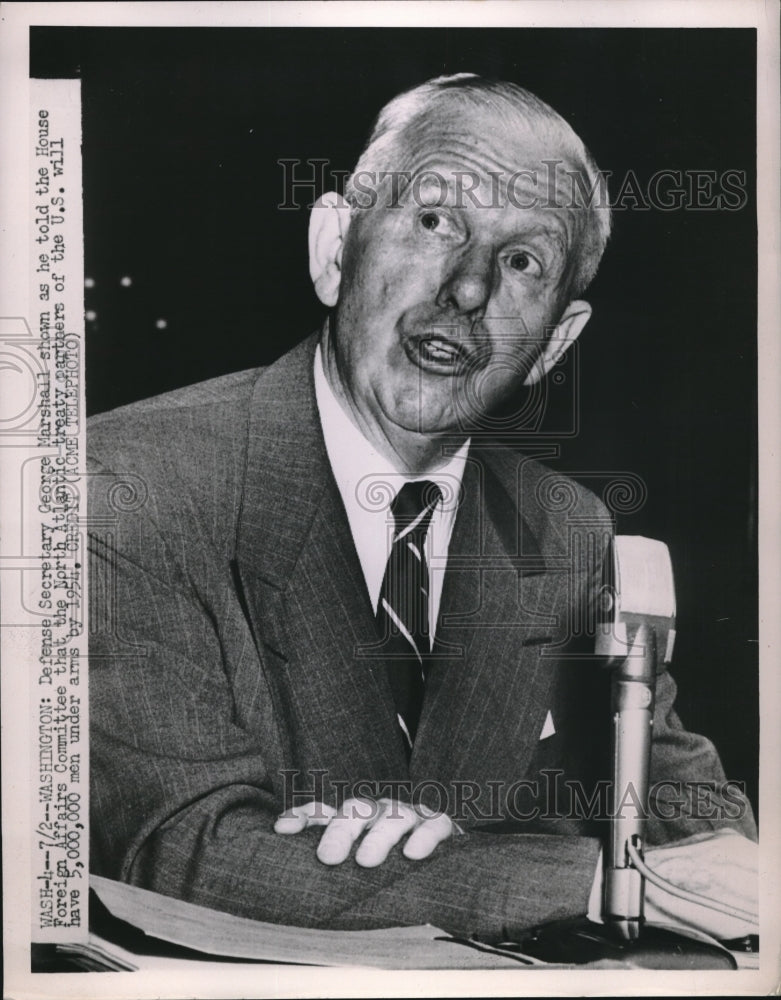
575, 317
328, 225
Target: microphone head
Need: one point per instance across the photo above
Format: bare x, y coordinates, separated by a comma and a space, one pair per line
637, 588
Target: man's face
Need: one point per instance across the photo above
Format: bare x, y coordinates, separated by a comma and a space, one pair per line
447, 297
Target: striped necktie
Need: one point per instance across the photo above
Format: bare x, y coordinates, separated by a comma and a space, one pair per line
403, 609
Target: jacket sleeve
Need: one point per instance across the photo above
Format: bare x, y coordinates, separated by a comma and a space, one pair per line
689, 792
182, 799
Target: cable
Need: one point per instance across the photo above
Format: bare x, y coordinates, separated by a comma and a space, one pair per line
692, 897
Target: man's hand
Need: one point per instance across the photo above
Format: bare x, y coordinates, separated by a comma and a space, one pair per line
383, 821
722, 866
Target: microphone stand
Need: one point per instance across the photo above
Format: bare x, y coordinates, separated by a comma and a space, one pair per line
632, 702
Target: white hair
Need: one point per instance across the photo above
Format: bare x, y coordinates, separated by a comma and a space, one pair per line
510, 103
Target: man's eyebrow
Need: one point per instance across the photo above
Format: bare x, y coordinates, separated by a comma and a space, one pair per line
432, 180
540, 231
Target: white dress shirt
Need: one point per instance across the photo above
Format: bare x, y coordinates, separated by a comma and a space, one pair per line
368, 483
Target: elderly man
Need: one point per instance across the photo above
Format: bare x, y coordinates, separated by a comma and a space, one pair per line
340, 676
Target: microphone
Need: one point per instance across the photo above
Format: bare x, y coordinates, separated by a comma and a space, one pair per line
635, 634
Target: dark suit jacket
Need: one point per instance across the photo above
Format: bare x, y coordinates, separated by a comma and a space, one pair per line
232, 661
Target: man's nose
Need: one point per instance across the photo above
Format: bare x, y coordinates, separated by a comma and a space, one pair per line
468, 284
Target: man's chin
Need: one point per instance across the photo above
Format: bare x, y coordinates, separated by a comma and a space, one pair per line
426, 405
433, 425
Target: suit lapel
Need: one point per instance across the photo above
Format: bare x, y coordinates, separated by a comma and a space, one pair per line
487, 693
305, 593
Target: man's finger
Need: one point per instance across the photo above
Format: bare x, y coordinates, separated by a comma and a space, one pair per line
387, 830
427, 836
344, 829
299, 817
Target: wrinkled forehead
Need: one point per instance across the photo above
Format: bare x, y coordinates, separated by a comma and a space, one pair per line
489, 141
484, 156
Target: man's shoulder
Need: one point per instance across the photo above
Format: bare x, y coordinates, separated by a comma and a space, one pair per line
188, 452
205, 417
182, 453
542, 491
198, 418
215, 393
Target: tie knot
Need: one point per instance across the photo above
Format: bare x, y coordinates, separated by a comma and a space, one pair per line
415, 501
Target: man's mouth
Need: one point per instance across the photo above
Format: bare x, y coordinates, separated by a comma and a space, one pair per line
436, 354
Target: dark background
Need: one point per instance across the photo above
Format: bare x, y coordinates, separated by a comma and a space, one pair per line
183, 130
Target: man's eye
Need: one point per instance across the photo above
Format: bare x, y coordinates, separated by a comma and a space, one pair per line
436, 222
524, 262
